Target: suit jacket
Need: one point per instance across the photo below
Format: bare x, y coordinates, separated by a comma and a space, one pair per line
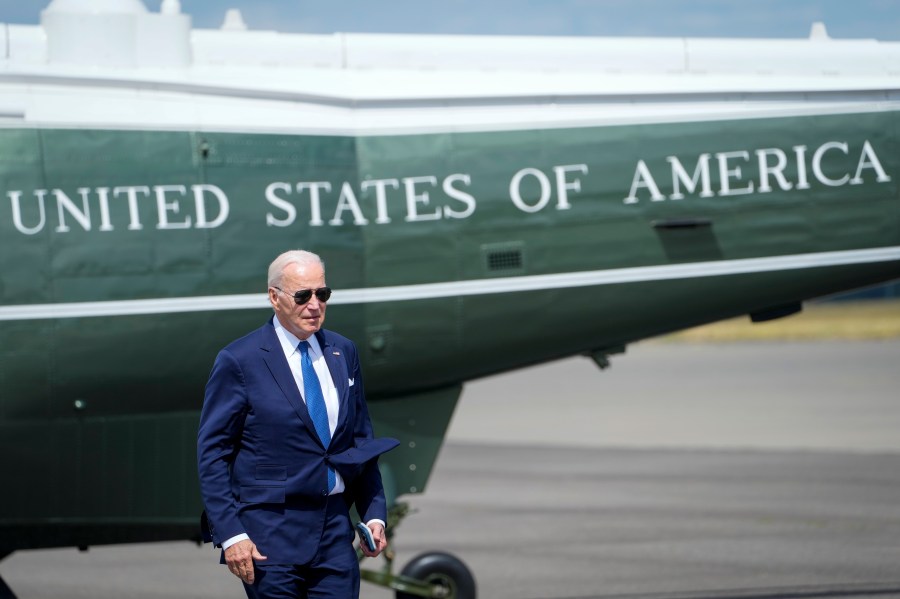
263, 469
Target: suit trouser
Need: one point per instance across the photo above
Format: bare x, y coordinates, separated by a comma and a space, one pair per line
332, 574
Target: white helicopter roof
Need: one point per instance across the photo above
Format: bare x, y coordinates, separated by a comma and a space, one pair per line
170, 74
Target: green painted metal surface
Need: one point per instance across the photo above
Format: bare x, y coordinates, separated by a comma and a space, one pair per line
97, 413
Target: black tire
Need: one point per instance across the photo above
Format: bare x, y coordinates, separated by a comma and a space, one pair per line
441, 569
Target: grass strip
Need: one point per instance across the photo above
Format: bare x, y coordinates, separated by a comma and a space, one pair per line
859, 320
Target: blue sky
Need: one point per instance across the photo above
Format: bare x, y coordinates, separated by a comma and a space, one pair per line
879, 19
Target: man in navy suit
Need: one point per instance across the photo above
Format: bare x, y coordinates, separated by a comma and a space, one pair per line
285, 446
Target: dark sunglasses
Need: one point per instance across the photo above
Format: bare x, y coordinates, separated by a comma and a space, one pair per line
304, 295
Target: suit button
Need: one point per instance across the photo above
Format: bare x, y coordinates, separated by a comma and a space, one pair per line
324, 493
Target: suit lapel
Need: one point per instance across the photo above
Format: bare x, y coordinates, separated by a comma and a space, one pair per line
277, 364
337, 366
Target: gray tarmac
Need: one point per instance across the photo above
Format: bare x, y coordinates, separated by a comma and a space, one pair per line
751, 470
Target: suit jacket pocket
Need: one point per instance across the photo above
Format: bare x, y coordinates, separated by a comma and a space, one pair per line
262, 495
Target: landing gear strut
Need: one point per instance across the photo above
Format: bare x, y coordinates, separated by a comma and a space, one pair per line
435, 575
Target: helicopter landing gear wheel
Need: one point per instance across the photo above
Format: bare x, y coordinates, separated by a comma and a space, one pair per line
447, 576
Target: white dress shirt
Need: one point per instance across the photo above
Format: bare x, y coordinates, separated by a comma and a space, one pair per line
289, 345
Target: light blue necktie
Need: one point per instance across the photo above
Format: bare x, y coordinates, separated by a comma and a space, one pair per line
315, 402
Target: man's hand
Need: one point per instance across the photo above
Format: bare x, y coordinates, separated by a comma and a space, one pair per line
240, 558
380, 540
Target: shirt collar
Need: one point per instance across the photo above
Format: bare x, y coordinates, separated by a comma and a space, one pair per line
289, 341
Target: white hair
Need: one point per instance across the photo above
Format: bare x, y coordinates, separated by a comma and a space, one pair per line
298, 257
